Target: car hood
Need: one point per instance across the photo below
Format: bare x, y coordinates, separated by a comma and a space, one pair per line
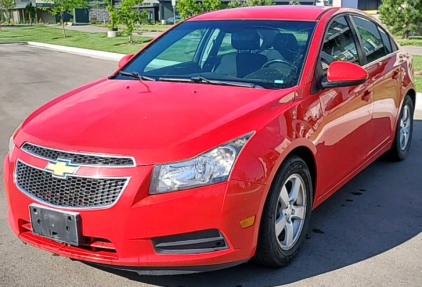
155, 122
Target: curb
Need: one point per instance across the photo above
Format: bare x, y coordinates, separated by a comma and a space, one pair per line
13, 43
79, 51
418, 105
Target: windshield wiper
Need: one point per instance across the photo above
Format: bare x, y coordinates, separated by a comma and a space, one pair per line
201, 79
136, 75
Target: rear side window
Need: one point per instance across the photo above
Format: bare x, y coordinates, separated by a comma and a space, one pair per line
386, 40
373, 46
339, 44
394, 45
226, 45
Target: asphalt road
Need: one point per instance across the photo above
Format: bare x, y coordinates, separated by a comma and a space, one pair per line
367, 234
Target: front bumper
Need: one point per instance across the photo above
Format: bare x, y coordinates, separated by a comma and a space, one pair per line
122, 235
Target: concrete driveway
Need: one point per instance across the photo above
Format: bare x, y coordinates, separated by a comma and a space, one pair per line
367, 234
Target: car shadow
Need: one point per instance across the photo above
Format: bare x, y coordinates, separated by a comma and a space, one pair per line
376, 211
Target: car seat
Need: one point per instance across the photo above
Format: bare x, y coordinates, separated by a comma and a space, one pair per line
245, 60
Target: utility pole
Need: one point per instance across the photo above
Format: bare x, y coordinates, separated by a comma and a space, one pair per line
173, 3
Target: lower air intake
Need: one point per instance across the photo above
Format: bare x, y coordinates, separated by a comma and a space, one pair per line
190, 243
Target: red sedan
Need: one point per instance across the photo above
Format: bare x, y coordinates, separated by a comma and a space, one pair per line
213, 144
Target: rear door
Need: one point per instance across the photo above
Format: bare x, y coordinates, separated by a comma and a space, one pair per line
383, 64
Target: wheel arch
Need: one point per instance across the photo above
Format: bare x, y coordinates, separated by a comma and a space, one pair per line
308, 157
306, 151
303, 149
412, 95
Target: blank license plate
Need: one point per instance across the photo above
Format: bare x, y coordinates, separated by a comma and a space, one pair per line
61, 226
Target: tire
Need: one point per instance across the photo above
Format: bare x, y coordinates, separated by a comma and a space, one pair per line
404, 131
291, 218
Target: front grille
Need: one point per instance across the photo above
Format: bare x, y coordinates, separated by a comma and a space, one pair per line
77, 158
73, 191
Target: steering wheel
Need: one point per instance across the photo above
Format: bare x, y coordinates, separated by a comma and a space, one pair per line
275, 61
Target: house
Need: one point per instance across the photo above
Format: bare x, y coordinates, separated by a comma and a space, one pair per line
19, 15
166, 10
359, 4
157, 10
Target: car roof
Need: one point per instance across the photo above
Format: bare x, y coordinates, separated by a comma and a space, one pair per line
273, 12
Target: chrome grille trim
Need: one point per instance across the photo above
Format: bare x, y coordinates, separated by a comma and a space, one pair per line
40, 151
38, 199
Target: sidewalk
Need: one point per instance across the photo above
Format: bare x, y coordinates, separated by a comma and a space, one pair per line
98, 29
82, 28
413, 50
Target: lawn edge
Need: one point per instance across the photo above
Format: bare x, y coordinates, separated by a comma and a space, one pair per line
79, 51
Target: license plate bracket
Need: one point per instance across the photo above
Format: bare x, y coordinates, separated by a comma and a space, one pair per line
61, 226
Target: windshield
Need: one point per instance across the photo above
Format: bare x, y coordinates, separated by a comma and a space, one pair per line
262, 53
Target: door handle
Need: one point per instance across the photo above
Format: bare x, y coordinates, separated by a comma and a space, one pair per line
395, 75
367, 95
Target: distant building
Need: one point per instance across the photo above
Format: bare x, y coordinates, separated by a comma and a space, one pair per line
157, 10
166, 10
358, 4
18, 14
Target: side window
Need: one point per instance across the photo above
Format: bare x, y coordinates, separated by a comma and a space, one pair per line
386, 40
339, 44
188, 44
226, 45
371, 39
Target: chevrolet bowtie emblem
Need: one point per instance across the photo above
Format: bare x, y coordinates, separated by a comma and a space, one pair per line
61, 168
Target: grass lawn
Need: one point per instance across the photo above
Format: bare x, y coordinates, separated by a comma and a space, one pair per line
144, 28
410, 42
152, 28
417, 61
94, 41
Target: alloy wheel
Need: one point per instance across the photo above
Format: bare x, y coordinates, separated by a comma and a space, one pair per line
290, 212
405, 121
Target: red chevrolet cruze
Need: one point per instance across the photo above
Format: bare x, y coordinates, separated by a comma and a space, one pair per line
214, 143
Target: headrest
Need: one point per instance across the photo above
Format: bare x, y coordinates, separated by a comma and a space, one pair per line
286, 45
245, 40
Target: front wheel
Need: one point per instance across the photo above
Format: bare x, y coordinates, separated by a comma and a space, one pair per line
286, 214
404, 131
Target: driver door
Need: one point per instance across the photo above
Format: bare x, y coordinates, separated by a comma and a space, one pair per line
344, 143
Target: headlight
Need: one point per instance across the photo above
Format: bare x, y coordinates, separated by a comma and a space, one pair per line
11, 146
208, 168
11, 142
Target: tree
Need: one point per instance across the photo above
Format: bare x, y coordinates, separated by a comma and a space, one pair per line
113, 16
62, 6
235, 4
30, 12
258, 2
188, 8
7, 6
401, 16
129, 16
294, 2
211, 5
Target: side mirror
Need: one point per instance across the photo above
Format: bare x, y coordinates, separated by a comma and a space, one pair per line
123, 61
344, 74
